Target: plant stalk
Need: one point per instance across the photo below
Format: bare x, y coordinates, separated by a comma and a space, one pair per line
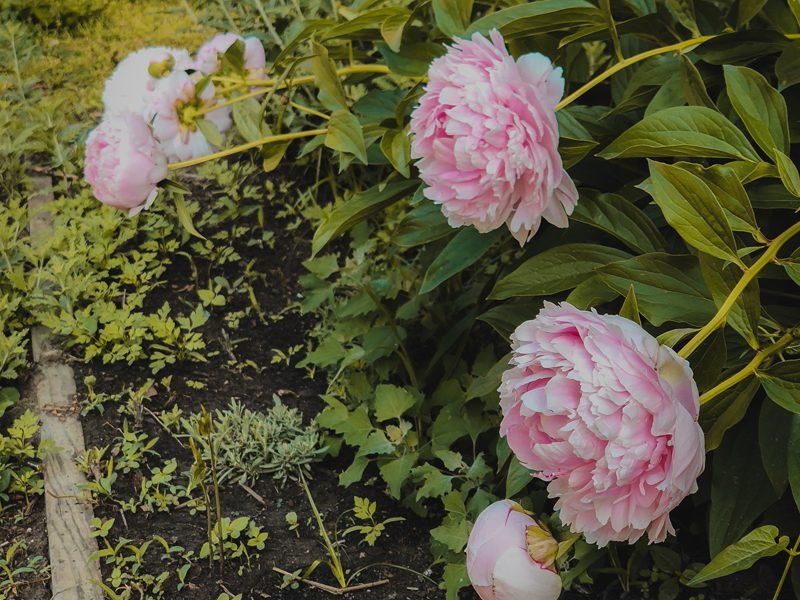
751, 273
789, 560
752, 366
626, 62
282, 137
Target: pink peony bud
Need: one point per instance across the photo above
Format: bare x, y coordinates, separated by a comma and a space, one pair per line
133, 79
486, 137
595, 405
208, 56
171, 109
510, 556
124, 162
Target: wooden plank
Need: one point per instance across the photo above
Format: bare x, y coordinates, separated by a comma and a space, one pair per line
69, 516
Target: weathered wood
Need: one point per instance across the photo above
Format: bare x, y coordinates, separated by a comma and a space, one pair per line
69, 516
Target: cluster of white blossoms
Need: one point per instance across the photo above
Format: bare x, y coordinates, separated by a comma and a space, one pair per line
159, 107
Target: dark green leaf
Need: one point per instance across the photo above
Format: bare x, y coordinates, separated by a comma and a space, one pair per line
395, 146
782, 384
668, 287
630, 308
691, 208
788, 172
618, 217
466, 247
726, 410
555, 270
424, 224
357, 208
538, 17
346, 135
740, 490
691, 131
774, 430
746, 311
760, 106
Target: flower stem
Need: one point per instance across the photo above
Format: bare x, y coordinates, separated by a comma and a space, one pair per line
751, 273
789, 560
276, 84
752, 366
626, 62
282, 137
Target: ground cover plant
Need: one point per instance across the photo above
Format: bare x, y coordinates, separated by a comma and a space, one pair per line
547, 307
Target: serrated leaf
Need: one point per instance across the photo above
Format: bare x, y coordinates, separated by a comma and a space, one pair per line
760, 106
690, 131
391, 402
395, 472
691, 208
452, 533
555, 270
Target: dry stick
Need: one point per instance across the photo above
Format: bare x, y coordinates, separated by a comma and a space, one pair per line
253, 493
329, 588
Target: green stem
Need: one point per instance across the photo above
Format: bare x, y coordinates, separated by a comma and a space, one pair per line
283, 137
215, 483
336, 561
625, 63
792, 554
751, 273
276, 84
751, 367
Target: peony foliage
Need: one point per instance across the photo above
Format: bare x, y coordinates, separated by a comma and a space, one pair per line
632, 162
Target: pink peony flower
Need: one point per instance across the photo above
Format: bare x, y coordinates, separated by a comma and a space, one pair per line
171, 109
131, 82
595, 405
208, 56
124, 162
486, 137
510, 556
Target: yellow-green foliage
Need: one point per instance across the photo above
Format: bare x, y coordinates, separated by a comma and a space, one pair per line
84, 57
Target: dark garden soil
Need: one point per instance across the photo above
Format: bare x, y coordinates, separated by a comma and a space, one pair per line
404, 544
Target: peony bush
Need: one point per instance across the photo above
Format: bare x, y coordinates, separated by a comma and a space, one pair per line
551, 391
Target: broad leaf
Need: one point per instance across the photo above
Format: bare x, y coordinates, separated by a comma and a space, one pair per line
452, 16
726, 410
357, 208
691, 208
690, 131
742, 555
617, 216
760, 106
466, 247
668, 287
538, 17
740, 490
746, 311
782, 384
392, 401
555, 270
346, 135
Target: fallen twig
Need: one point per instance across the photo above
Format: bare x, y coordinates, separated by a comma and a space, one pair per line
329, 588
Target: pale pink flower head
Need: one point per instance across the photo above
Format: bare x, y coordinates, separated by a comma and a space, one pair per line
510, 556
172, 109
595, 405
208, 56
486, 137
124, 163
131, 82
